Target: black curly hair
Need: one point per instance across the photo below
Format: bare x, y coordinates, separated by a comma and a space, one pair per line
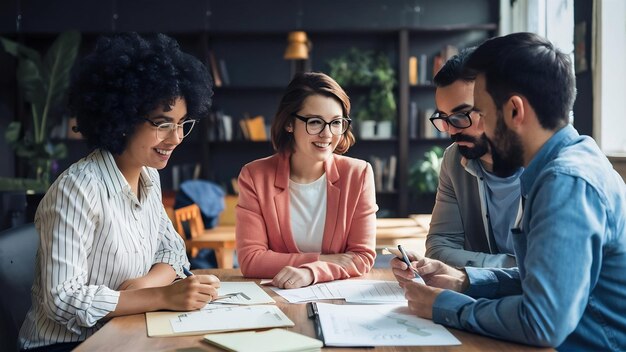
128, 76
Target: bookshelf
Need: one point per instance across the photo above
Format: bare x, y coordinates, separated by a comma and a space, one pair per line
250, 38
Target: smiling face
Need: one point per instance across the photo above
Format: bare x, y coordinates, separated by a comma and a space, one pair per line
319, 147
458, 97
144, 148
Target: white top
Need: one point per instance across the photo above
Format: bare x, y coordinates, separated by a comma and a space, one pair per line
307, 207
95, 234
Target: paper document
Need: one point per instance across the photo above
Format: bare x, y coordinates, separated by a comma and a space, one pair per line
353, 291
230, 318
379, 325
244, 293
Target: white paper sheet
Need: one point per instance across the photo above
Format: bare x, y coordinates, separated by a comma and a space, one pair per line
247, 293
353, 291
379, 325
229, 318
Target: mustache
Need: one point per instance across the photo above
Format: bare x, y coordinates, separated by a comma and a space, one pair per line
459, 137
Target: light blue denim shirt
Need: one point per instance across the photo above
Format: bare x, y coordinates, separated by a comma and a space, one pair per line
569, 291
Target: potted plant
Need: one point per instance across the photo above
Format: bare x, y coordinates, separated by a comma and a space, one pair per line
424, 179
43, 82
366, 69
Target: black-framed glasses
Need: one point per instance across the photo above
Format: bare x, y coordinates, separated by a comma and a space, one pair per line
315, 125
165, 129
459, 120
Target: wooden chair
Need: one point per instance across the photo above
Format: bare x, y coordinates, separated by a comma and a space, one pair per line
221, 239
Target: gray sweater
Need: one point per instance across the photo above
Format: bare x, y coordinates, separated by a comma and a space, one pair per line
459, 233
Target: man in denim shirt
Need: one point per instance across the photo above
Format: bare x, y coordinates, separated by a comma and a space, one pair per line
569, 291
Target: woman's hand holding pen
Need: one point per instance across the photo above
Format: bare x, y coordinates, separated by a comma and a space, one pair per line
191, 293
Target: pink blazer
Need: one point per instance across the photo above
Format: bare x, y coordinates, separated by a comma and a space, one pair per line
265, 242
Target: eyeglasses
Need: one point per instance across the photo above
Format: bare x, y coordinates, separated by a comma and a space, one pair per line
164, 130
315, 125
460, 120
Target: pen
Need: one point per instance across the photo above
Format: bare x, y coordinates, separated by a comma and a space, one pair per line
187, 272
405, 258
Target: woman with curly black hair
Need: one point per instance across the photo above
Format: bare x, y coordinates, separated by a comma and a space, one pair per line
107, 246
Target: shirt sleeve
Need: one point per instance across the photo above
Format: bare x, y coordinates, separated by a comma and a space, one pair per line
361, 239
171, 248
66, 221
555, 283
446, 237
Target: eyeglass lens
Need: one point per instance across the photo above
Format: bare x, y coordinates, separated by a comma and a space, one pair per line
459, 120
337, 126
182, 130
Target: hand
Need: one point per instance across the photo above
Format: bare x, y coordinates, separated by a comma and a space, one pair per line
421, 298
191, 293
290, 277
434, 273
345, 260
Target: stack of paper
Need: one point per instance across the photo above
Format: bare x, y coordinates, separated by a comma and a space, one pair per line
244, 307
278, 340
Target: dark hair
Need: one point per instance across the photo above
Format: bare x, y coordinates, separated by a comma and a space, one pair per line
125, 78
529, 65
302, 86
452, 70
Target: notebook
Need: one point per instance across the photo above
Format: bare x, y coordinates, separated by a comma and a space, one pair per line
278, 340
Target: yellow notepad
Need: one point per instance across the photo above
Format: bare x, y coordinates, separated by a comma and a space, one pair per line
278, 340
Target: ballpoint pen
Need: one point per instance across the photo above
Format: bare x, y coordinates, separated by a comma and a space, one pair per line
405, 258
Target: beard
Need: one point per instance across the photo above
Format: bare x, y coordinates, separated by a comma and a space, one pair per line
507, 150
480, 148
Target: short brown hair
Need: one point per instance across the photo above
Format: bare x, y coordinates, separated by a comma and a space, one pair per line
302, 86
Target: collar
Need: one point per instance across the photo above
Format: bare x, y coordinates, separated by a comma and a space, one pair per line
283, 170
113, 179
546, 153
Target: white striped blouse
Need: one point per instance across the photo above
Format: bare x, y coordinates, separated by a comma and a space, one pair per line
95, 234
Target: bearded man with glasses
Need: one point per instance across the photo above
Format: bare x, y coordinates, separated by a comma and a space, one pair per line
477, 199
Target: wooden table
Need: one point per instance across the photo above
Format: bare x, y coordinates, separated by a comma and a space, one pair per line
393, 231
129, 333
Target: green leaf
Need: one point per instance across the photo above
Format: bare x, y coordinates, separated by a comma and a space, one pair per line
12, 135
58, 63
20, 51
30, 80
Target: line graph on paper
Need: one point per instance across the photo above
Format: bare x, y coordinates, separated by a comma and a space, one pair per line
379, 325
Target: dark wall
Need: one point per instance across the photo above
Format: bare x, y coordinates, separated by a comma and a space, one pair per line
583, 107
232, 27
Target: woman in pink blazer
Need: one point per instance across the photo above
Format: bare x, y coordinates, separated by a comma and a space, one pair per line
307, 214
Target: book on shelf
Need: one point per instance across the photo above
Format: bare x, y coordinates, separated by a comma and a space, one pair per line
422, 70
215, 70
220, 127
254, 128
444, 55
428, 130
413, 120
384, 173
413, 70
224, 72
